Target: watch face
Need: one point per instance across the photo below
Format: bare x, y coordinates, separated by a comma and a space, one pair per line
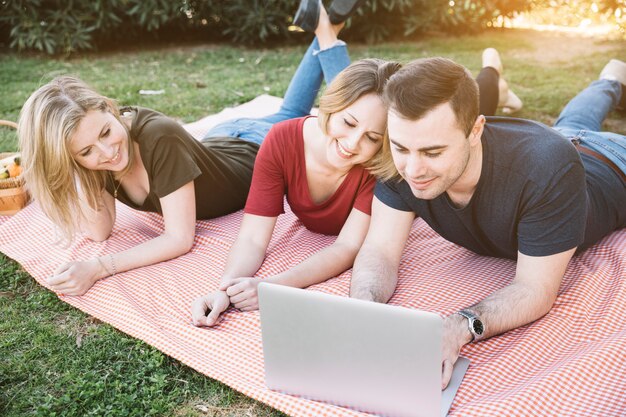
478, 327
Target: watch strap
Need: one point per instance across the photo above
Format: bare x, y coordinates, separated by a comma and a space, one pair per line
473, 319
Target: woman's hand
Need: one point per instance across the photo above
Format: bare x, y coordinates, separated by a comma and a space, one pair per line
215, 303
75, 278
243, 292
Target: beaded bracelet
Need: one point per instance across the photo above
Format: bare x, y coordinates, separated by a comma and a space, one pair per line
113, 264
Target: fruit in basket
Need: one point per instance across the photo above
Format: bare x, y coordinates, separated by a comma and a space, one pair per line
10, 166
11, 159
14, 170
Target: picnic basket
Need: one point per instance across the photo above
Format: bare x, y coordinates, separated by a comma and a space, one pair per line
13, 195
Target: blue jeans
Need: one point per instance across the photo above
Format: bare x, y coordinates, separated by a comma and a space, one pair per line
582, 120
299, 98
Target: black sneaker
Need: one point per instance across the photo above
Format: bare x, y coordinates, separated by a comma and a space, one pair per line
308, 15
341, 10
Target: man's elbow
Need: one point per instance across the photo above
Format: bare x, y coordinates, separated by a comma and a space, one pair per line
373, 279
366, 294
372, 291
547, 302
543, 299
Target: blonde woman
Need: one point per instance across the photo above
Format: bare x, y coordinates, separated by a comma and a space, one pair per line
319, 163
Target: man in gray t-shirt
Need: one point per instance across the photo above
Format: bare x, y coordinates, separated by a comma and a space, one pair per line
500, 187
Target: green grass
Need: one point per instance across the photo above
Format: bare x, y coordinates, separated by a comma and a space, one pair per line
57, 361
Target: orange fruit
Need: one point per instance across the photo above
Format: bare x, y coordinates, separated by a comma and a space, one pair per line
14, 169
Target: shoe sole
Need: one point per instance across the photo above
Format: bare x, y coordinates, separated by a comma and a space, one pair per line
308, 15
341, 10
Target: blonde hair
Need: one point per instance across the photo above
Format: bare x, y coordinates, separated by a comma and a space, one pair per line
384, 169
47, 123
366, 76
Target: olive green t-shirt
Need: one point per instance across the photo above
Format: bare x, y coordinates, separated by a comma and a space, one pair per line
221, 168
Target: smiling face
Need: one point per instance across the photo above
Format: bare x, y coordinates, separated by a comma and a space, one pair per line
355, 134
100, 142
433, 154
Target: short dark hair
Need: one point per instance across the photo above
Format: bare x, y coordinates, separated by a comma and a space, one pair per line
426, 83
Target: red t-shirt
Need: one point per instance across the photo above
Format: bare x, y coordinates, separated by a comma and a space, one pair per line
280, 169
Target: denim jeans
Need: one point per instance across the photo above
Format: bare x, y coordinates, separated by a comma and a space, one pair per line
581, 120
299, 98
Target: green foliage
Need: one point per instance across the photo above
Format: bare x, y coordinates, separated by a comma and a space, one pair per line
383, 19
466, 15
66, 26
257, 21
54, 26
154, 14
470, 16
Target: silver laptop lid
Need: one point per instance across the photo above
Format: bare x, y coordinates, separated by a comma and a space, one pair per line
372, 357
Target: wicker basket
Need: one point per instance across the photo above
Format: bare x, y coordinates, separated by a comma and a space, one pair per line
13, 196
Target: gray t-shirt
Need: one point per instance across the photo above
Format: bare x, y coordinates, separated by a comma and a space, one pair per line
535, 195
221, 168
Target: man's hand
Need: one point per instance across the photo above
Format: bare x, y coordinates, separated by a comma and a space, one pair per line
75, 278
243, 292
214, 303
530, 296
455, 335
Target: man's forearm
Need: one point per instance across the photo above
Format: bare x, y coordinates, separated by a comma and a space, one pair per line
511, 307
529, 297
374, 277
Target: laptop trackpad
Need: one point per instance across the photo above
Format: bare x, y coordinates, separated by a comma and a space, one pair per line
447, 395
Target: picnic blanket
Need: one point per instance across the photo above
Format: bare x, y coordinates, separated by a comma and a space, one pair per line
572, 362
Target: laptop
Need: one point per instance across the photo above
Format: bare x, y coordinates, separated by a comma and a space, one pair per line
367, 356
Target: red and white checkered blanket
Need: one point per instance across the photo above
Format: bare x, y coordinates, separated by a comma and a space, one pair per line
570, 363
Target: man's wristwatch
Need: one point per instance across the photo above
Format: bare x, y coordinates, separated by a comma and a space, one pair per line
474, 324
